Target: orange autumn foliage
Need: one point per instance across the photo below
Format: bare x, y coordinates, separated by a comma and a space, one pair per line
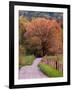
49, 33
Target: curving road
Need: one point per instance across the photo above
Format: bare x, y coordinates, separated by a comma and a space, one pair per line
29, 72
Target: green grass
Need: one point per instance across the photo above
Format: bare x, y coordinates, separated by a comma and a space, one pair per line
60, 57
56, 57
26, 60
29, 59
49, 71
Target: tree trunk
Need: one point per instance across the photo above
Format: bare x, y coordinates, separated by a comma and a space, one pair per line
43, 48
44, 52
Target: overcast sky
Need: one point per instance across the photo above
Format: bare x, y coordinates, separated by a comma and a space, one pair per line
30, 14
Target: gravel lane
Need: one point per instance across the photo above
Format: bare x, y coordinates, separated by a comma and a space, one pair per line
29, 72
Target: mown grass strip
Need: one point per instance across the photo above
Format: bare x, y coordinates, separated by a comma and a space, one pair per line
49, 71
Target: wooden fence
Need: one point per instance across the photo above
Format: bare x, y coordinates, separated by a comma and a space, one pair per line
54, 63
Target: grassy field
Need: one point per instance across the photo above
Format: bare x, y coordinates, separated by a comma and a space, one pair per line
60, 57
26, 60
49, 71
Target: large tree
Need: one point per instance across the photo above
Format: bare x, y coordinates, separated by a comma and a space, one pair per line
47, 31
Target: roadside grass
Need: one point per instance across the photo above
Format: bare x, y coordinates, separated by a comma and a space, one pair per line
60, 57
49, 71
26, 60
56, 57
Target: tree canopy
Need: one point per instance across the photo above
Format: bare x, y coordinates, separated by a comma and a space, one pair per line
45, 34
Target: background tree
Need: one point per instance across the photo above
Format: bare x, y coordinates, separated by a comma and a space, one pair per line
33, 46
22, 28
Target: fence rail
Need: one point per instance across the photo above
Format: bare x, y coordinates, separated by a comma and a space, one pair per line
54, 63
